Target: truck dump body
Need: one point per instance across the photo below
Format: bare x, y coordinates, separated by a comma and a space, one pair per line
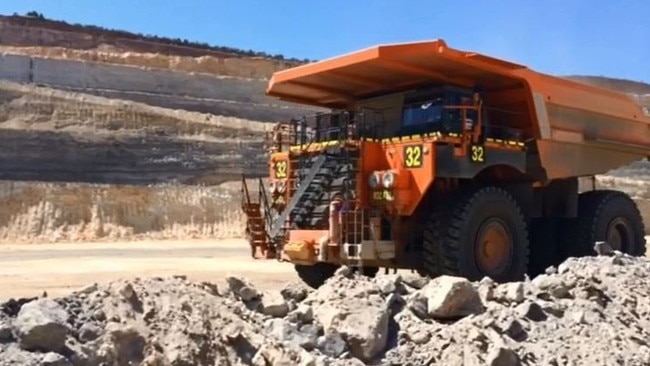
579, 129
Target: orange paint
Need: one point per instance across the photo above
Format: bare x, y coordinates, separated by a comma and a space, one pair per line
412, 163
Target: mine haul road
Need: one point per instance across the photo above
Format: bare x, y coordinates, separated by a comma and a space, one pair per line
29, 269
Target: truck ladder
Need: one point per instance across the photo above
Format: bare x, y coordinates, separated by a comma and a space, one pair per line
256, 220
354, 229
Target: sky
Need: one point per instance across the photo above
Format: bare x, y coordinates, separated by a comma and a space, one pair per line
561, 37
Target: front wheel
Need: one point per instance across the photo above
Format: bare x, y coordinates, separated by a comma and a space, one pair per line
481, 233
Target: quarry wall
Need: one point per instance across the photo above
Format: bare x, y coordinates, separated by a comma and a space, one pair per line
219, 95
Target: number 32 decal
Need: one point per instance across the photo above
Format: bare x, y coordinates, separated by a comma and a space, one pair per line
280, 169
477, 154
413, 156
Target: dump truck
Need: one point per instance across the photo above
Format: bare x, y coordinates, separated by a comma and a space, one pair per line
445, 162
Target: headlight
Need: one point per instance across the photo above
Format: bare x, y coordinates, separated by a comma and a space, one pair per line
388, 179
373, 180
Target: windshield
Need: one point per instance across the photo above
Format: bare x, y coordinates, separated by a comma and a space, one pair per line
424, 112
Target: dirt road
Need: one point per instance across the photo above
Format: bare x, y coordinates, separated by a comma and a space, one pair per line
28, 270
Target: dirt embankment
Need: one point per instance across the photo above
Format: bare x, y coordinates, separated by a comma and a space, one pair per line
56, 212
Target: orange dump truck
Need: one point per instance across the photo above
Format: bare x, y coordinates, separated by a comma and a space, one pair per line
445, 162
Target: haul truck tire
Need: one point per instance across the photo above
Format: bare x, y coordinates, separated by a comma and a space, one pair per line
606, 215
483, 233
316, 275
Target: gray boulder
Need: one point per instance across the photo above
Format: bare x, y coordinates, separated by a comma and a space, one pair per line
273, 304
283, 331
242, 288
450, 297
361, 317
41, 326
54, 359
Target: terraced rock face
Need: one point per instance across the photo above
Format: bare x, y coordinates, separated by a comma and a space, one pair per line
200, 88
51, 135
30, 31
76, 167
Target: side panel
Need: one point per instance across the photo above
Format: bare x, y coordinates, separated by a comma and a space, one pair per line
563, 159
584, 97
577, 142
416, 162
449, 166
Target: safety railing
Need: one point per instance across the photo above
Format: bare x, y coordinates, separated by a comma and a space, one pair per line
244, 193
335, 127
265, 206
502, 132
262, 200
322, 127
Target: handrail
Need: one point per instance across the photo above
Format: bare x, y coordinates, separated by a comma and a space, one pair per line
244, 192
264, 202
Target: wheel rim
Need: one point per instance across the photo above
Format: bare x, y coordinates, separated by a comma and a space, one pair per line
493, 247
619, 234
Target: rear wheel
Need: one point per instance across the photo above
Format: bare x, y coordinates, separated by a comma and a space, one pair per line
482, 233
606, 215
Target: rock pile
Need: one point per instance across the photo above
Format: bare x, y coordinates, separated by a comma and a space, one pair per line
588, 311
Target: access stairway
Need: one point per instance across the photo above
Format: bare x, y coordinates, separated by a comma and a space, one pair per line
257, 221
320, 177
334, 174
